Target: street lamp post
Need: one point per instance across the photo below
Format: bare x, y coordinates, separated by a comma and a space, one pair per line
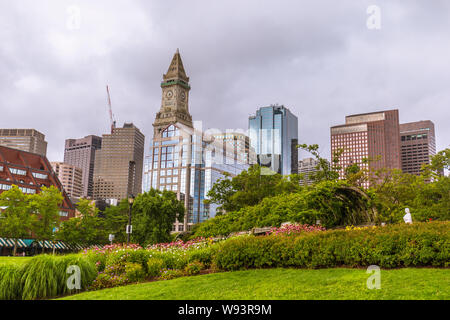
130, 201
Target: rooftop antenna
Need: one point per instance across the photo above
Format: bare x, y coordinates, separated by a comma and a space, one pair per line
111, 116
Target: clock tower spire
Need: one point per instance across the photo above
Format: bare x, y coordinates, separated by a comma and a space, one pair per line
175, 96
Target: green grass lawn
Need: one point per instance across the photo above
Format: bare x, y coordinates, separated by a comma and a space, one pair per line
287, 284
16, 260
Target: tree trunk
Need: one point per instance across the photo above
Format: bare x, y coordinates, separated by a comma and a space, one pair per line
15, 247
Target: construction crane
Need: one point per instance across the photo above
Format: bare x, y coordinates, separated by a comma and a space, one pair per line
111, 116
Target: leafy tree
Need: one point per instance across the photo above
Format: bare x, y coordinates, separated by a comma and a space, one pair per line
116, 219
46, 205
17, 219
325, 171
249, 188
154, 213
88, 229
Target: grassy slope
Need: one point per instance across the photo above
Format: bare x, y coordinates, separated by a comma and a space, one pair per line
15, 260
291, 284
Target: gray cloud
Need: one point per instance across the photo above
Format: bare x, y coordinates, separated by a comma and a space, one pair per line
316, 57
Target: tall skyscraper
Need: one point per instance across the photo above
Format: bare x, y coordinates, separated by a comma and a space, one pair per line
71, 178
81, 153
29, 140
182, 158
374, 136
418, 143
119, 164
273, 133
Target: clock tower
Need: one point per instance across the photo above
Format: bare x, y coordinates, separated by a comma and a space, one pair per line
175, 97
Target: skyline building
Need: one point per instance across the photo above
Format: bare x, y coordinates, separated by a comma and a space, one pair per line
307, 166
81, 153
374, 136
273, 133
29, 140
118, 164
182, 158
418, 143
71, 178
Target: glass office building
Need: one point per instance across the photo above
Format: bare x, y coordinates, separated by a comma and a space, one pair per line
273, 133
188, 162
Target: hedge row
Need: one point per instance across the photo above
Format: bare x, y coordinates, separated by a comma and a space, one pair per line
421, 244
44, 276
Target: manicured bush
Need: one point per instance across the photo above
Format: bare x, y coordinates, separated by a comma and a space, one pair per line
203, 255
106, 280
420, 244
194, 268
10, 282
134, 272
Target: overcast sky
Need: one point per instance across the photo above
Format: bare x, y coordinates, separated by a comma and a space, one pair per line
318, 58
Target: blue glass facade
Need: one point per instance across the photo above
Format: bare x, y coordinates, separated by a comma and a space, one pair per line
273, 133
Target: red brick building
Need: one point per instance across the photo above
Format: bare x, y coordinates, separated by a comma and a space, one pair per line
30, 171
375, 136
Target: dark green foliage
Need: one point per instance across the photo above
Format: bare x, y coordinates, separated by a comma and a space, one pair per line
116, 219
333, 203
420, 244
154, 213
249, 188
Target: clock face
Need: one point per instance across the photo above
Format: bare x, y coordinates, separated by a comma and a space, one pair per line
183, 95
169, 94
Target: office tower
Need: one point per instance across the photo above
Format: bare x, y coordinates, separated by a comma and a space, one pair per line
239, 144
182, 159
374, 136
29, 140
119, 164
81, 153
273, 133
30, 172
71, 178
418, 143
306, 167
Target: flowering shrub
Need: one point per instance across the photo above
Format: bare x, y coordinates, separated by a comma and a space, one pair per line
106, 280
168, 274
288, 229
154, 267
189, 245
194, 268
134, 272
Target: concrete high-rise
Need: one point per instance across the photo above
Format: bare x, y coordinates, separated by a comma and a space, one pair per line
81, 153
119, 164
29, 140
184, 159
418, 143
273, 133
374, 136
307, 167
71, 178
